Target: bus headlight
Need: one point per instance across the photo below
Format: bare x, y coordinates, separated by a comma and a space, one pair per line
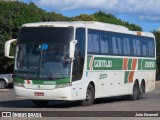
63, 85
18, 84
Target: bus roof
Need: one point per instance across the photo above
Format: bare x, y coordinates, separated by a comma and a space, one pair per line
92, 25
76, 24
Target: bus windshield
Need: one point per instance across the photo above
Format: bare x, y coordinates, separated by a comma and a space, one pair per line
43, 57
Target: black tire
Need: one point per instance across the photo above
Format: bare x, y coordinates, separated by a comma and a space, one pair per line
135, 93
141, 91
3, 84
40, 103
90, 95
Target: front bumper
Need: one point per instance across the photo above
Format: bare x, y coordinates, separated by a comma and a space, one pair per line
56, 94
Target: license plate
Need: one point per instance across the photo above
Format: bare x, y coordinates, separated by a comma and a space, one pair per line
38, 93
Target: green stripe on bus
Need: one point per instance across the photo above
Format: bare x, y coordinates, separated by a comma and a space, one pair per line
149, 64
18, 80
126, 77
50, 82
140, 64
106, 63
130, 64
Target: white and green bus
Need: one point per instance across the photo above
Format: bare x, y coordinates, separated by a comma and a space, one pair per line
82, 61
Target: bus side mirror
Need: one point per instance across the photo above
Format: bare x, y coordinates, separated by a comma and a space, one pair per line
7, 48
72, 48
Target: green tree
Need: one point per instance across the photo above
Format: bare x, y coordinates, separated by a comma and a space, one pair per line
157, 36
109, 18
84, 17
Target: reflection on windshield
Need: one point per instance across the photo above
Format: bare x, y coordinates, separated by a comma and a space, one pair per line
42, 61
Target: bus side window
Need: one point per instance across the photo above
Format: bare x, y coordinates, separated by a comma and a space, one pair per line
117, 45
137, 47
151, 48
126, 46
93, 41
145, 48
104, 43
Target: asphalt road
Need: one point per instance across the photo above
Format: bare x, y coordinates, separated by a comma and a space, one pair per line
151, 102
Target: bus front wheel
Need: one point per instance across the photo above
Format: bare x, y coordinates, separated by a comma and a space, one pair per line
90, 95
40, 103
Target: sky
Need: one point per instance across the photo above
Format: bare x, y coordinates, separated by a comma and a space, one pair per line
144, 13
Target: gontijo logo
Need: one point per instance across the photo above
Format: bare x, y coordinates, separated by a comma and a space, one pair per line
99, 63
103, 63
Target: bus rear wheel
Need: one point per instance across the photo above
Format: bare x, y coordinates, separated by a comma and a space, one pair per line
90, 95
40, 103
141, 90
135, 92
